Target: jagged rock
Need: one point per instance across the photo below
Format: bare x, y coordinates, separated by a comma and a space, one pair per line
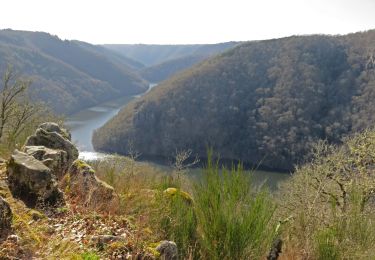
82, 184
5, 219
53, 127
32, 181
56, 160
52, 136
168, 250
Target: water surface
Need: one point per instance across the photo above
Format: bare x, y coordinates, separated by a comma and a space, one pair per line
83, 124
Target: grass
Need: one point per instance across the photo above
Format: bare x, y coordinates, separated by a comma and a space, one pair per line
330, 202
234, 217
227, 218
324, 211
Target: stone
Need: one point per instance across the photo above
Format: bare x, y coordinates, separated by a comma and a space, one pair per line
5, 219
14, 238
106, 239
168, 250
53, 127
177, 192
275, 250
32, 182
52, 136
56, 160
82, 184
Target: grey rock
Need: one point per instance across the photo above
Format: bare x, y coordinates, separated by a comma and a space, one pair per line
31, 181
168, 250
14, 238
53, 127
275, 250
86, 188
52, 136
106, 239
56, 160
5, 219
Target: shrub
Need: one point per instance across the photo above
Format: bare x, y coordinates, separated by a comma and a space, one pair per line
331, 199
234, 218
89, 256
178, 223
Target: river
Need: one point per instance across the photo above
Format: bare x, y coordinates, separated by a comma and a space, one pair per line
83, 124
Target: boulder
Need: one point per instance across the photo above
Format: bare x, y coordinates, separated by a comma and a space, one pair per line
56, 160
5, 219
31, 181
52, 136
168, 250
81, 184
53, 127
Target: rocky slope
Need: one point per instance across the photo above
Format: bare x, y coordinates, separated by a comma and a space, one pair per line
264, 101
52, 205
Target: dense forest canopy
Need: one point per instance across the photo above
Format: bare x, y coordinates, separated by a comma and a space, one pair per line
263, 101
69, 75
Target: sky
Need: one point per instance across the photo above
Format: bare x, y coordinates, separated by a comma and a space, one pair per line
186, 21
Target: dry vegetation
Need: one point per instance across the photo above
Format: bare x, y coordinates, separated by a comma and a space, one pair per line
325, 211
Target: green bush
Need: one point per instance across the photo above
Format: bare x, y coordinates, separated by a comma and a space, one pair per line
179, 224
90, 256
234, 218
326, 246
228, 218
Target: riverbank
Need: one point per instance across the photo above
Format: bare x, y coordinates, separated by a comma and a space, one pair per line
83, 124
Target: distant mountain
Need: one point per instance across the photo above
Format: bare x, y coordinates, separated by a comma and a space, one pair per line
164, 70
69, 75
264, 101
152, 54
113, 55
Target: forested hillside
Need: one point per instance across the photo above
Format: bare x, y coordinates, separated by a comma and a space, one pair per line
69, 75
151, 55
164, 70
264, 101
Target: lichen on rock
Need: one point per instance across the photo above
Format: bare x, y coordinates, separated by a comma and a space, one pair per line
56, 160
81, 184
52, 136
31, 181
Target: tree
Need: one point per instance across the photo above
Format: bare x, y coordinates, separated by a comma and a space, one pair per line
17, 112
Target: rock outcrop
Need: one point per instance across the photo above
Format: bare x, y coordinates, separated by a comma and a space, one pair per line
168, 250
5, 219
31, 181
53, 127
56, 160
54, 137
81, 184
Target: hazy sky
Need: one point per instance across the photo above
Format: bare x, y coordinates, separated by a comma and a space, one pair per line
186, 21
